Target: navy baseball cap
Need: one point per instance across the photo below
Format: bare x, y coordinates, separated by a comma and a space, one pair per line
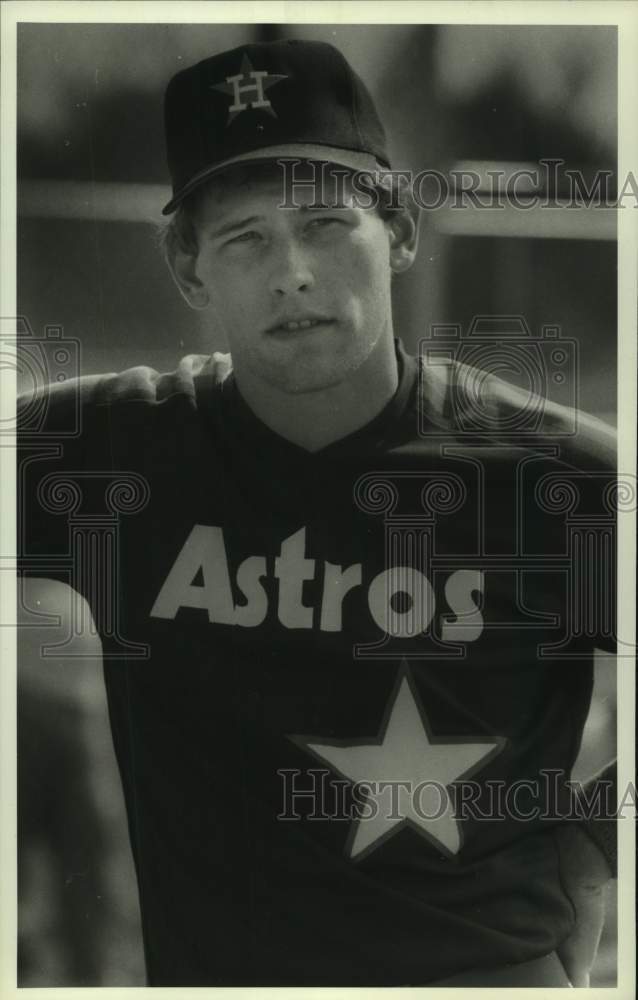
267, 101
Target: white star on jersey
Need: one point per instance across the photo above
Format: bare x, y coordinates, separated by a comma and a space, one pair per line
405, 753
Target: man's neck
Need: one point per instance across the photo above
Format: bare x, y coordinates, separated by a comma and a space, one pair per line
314, 420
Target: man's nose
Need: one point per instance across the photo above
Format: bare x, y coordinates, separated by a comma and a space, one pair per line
292, 269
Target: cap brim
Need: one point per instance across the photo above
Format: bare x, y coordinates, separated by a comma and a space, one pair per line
351, 158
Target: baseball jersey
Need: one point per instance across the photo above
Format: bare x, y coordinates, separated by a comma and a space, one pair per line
346, 687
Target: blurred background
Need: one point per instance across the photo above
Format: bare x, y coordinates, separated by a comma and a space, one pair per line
91, 184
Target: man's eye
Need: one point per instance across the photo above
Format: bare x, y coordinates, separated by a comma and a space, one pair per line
325, 221
250, 236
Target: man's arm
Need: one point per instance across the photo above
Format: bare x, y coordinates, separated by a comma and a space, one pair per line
587, 860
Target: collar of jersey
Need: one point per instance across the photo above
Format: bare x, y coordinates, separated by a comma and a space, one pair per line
379, 433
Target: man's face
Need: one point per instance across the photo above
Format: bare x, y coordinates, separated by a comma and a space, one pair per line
303, 294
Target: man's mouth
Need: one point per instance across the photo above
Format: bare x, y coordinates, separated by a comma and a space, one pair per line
296, 325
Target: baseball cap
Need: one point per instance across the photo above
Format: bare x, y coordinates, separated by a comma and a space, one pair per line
266, 101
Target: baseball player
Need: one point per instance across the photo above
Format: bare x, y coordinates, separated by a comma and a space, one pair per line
346, 678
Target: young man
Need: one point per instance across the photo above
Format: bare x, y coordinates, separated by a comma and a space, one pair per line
345, 678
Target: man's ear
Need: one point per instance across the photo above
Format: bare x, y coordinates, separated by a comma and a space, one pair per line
183, 267
404, 234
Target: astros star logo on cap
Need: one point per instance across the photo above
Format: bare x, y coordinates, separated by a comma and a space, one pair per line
249, 81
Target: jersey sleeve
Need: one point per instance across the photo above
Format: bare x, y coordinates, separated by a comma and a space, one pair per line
51, 455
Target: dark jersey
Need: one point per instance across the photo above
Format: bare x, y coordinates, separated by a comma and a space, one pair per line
345, 687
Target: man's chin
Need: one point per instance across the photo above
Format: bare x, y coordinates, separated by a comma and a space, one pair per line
312, 368
297, 383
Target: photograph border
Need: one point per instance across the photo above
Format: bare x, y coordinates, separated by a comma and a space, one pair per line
622, 14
